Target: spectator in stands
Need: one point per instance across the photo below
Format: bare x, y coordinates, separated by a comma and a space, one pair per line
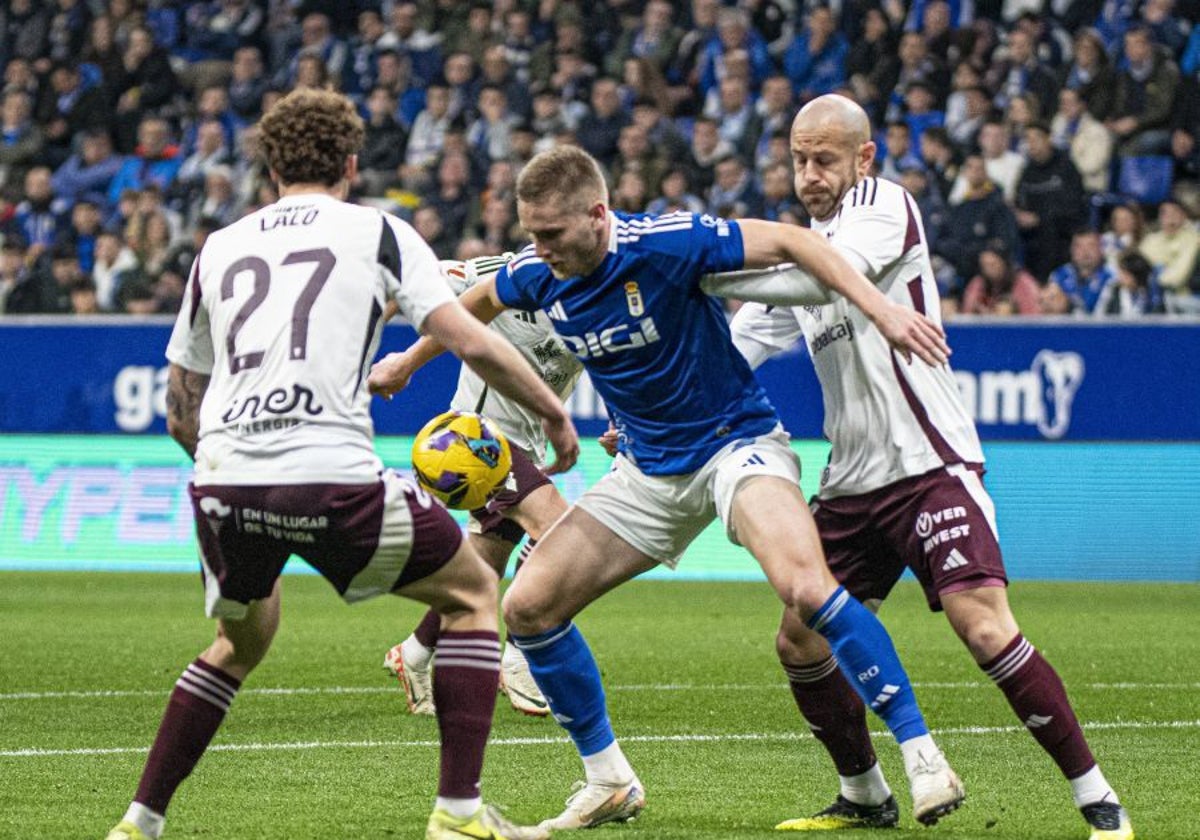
149, 234
218, 200
686, 67
675, 194
774, 111
733, 33
21, 141
429, 223
872, 50
1135, 290
490, 135
1021, 111
706, 149
1021, 73
734, 194
80, 234
654, 38
898, 151
450, 195
1085, 139
816, 60
82, 294
14, 276
113, 262
1173, 249
384, 145
147, 84
915, 178
599, 131
156, 160
38, 218
1050, 203
980, 216
248, 84
1125, 230
661, 131
641, 81
733, 111
1146, 88
316, 39
406, 36
212, 104
428, 133
1091, 74
1166, 30
635, 154
496, 71
25, 28
940, 159
461, 78
68, 108
211, 151
102, 52
921, 113
90, 170
779, 196
1085, 276
914, 64
967, 106
1000, 287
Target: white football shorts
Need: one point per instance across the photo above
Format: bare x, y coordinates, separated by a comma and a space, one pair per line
660, 515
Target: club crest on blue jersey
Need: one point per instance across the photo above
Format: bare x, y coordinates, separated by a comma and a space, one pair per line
633, 297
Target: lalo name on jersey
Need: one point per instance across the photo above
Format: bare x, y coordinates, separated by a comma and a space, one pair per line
289, 217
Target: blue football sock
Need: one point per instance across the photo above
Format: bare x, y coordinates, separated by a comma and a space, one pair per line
565, 670
865, 653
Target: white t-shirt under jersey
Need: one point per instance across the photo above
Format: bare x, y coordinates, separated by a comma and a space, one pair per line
533, 335
887, 420
284, 310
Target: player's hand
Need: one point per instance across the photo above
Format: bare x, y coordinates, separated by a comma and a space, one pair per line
908, 331
608, 440
389, 375
565, 440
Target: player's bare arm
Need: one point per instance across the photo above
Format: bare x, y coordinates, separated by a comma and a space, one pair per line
391, 374
770, 243
505, 369
185, 392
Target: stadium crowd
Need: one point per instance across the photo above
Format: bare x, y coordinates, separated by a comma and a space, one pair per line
1051, 146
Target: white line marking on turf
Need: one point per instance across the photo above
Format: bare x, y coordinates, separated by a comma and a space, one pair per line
367, 689
36, 752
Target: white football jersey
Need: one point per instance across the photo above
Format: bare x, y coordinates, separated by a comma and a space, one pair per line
284, 310
533, 335
887, 420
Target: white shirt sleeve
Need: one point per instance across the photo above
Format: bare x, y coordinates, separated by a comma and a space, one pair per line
761, 332
191, 344
872, 233
780, 285
422, 287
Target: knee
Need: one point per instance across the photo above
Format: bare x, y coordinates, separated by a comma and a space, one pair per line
525, 613
986, 637
795, 644
806, 594
236, 659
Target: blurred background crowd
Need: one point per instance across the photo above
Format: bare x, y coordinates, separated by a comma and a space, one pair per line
1051, 144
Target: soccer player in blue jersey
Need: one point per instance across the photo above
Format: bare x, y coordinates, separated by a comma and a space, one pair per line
698, 439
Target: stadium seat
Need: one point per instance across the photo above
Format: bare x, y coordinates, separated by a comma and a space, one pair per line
1145, 179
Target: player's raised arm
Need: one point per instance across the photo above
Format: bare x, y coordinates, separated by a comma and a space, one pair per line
391, 374
769, 243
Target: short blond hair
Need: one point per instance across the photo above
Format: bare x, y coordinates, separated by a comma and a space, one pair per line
563, 172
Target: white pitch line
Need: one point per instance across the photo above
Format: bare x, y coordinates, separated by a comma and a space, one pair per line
366, 689
36, 752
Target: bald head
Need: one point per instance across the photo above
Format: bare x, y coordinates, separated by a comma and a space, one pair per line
835, 113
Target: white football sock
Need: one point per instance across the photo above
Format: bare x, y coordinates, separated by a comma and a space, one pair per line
416, 652
148, 822
917, 749
512, 656
460, 808
867, 788
1092, 787
608, 766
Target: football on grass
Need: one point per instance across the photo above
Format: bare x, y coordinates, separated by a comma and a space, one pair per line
461, 458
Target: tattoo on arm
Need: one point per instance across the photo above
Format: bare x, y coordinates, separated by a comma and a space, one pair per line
185, 392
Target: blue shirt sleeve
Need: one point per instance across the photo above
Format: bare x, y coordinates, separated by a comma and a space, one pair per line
512, 287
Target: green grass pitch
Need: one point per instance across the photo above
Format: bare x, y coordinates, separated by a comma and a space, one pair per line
318, 744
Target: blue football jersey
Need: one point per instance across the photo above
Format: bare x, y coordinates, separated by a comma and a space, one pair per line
656, 347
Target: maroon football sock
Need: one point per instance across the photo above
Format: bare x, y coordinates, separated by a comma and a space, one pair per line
835, 714
429, 629
465, 680
1037, 695
197, 706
